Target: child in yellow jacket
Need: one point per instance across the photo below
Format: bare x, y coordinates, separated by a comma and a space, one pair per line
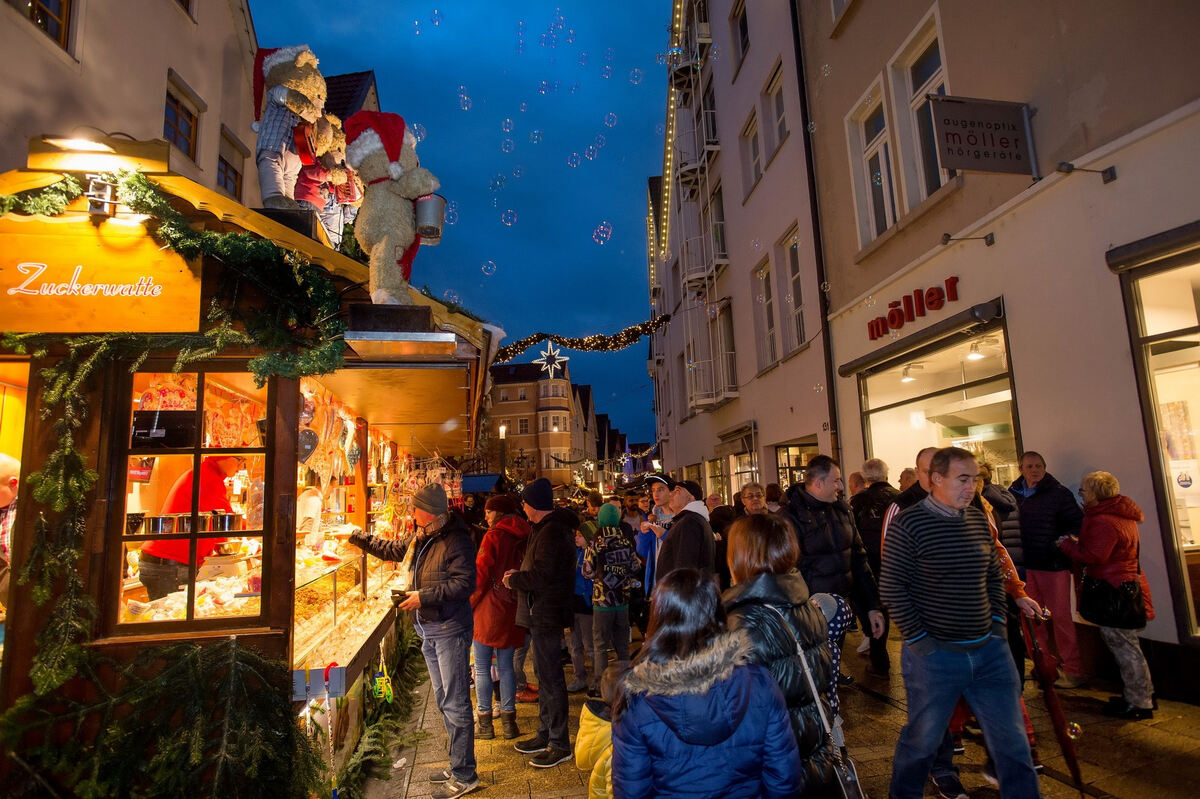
593, 743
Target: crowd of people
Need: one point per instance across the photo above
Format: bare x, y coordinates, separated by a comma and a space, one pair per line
742, 611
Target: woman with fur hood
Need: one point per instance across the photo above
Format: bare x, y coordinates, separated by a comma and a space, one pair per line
694, 716
766, 590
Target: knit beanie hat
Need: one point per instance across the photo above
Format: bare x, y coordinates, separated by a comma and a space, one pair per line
609, 516
503, 504
539, 495
431, 498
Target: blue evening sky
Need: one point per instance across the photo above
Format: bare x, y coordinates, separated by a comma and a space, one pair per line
560, 74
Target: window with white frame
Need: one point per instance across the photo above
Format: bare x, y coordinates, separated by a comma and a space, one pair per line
740, 26
926, 76
714, 222
764, 298
708, 108
725, 356
875, 167
543, 390
504, 395
772, 109
751, 153
789, 248
521, 394
523, 427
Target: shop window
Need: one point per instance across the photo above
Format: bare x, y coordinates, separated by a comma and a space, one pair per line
1168, 304
718, 478
192, 542
958, 395
523, 426
764, 299
790, 463
751, 153
745, 470
52, 16
179, 124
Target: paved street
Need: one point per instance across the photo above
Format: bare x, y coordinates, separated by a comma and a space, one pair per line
1158, 758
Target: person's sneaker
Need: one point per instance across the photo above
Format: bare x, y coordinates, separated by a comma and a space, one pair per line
551, 757
528, 694
864, 647
576, 685
989, 773
441, 775
959, 747
454, 787
531, 746
1069, 682
950, 787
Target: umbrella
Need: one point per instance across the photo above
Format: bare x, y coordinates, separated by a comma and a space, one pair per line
1045, 671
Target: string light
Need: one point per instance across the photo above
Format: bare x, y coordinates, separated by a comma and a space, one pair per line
594, 343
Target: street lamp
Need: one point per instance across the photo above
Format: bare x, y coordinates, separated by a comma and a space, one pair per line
503, 444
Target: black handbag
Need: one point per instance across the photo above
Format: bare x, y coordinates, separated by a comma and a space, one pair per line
847, 773
1122, 607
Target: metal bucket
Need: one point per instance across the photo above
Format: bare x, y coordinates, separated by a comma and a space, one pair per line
431, 215
159, 525
220, 522
183, 522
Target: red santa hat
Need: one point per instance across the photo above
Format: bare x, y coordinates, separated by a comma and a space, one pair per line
371, 131
266, 59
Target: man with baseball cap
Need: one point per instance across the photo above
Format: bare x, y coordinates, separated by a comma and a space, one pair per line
443, 578
544, 584
689, 541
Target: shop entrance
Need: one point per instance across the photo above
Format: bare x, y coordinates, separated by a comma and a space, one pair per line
944, 395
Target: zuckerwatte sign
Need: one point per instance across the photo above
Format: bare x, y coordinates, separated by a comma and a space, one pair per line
983, 135
68, 275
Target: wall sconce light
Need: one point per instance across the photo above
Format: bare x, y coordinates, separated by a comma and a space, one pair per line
503, 432
988, 238
101, 197
975, 354
1107, 175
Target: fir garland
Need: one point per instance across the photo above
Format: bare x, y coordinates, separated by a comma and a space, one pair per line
594, 343
298, 326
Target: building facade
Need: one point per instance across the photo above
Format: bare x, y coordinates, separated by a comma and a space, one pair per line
739, 373
1054, 309
87, 68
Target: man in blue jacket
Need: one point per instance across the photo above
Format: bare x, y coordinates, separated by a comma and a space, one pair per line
443, 577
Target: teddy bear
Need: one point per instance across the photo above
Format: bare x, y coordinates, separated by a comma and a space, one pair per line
383, 152
289, 97
326, 186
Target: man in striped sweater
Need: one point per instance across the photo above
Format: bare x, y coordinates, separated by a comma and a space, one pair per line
943, 585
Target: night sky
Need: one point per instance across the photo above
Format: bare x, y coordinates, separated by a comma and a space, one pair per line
542, 120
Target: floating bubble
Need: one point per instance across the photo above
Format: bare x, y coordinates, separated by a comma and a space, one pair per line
462, 89
825, 287
506, 126
418, 131
517, 171
756, 244
464, 103
600, 140
825, 70
674, 55
573, 160
542, 40
1074, 731
571, 36
877, 178
509, 217
554, 86
606, 72
870, 301
760, 299
660, 59
761, 273
590, 153
609, 53
715, 53
497, 182
488, 268
583, 58
660, 128
451, 296
818, 387
524, 107
416, 27
535, 136
635, 76
602, 233
812, 127
495, 202
610, 120
574, 87
436, 18
520, 26
507, 146
795, 239
713, 311
543, 87
787, 298
451, 214
520, 47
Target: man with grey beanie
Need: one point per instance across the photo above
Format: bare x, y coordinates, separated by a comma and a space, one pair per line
544, 585
443, 577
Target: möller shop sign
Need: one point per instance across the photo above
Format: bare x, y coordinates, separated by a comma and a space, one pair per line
984, 135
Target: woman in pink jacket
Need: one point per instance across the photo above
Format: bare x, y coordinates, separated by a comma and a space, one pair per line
1108, 546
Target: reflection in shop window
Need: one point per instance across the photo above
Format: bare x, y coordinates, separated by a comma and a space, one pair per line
1169, 304
960, 395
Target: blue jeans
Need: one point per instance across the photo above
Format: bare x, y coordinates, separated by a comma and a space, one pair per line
987, 679
449, 673
483, 678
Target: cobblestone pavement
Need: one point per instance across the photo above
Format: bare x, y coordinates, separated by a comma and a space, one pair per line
1156, 758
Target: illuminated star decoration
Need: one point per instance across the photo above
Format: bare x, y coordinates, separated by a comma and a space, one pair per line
552, 360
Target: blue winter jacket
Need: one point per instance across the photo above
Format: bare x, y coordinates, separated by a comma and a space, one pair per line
709, 725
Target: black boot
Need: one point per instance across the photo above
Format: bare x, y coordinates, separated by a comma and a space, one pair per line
508, 723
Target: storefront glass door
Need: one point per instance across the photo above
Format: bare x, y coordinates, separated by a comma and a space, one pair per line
1169, 305
959, 395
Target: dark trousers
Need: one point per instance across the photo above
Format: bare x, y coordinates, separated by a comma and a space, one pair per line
881, 662
552, 687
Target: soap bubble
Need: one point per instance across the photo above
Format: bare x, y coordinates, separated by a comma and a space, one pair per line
436, 17
416, 27
1074, 731
760, 299
507, 146
524, 107
635, 76
812, 127
451, 296
715, 53
488, 268
787, 298
573, 160
509, 217
660, 128
543, 87
451, 213
418, 131
825, 70
520, 47
535, 136
606, 72
877, 178
464, 103
574, 87
497, 182
517, 171
495, 202
571, 36
600, 140
757, 245
583, 58
609, 53
506, 126
462, 89
713, 311
590, 153
602, 233
818, 387
660, 59
610, 120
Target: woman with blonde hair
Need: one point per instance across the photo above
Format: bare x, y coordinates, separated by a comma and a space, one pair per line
1108, 546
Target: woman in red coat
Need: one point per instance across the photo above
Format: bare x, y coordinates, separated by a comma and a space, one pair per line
495, 609
1108, 546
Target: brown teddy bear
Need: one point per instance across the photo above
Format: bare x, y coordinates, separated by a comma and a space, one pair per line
384, 154
289, 97
327, 186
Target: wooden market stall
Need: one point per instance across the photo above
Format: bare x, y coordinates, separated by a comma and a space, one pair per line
222, 506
